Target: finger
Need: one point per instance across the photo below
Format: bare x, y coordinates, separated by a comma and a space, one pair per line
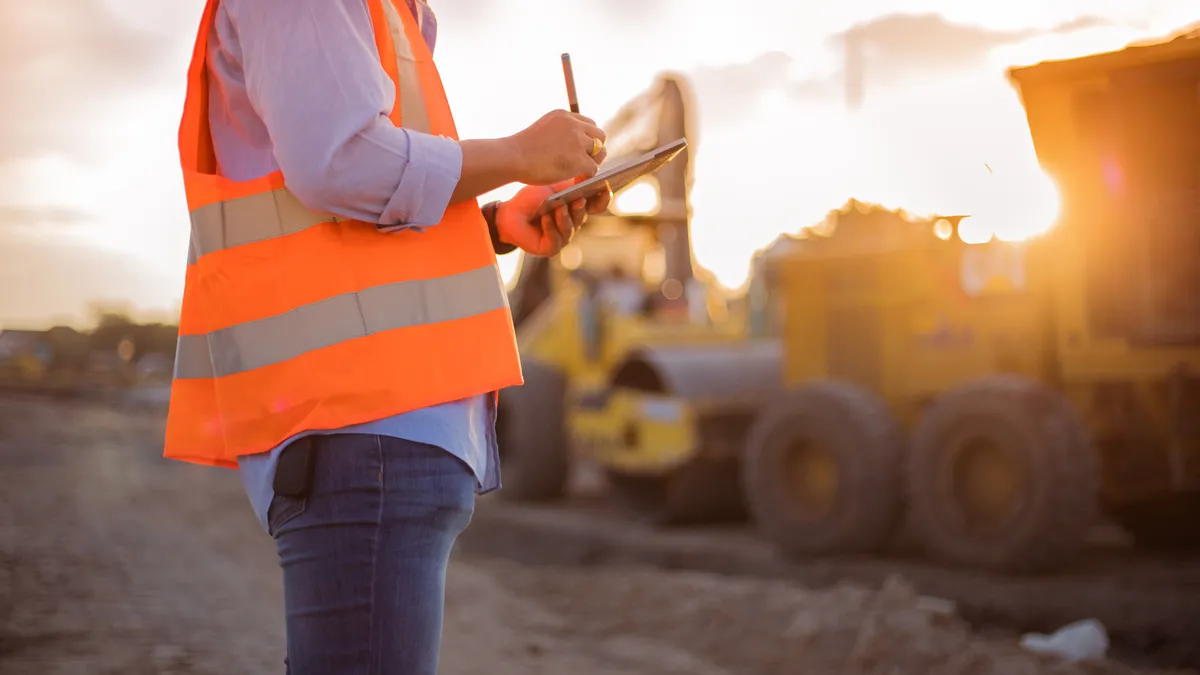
551, 235
585, 119
589, 144
579, 212
599, 157
572, 222
594, 131
564, 222
600, 202
587, 167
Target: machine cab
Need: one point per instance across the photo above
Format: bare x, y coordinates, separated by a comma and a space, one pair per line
1120, 134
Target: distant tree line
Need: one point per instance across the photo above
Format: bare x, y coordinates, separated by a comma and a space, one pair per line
114, 332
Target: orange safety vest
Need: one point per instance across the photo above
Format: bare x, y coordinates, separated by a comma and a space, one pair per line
294, 320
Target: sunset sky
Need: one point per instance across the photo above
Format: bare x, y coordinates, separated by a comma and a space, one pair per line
91, 201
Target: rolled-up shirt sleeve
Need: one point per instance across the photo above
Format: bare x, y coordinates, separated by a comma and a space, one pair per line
313, 75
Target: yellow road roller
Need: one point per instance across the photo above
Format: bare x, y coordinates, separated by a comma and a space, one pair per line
626, 282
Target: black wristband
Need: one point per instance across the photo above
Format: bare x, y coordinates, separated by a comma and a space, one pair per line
489, 214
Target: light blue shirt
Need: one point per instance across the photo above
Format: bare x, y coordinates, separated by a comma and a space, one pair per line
297, 86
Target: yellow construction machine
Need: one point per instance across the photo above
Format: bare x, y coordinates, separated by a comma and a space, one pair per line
627, 281
998, 395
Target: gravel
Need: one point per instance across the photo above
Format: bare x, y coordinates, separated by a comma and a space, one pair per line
113, 560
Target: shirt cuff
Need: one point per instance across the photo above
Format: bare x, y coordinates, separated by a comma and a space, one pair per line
430, 177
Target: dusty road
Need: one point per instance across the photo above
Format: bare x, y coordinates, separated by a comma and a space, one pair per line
115, 561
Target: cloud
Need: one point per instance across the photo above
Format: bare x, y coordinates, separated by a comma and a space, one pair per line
60, 61
727, 93
1086, 22
904, 44
65, 66
635, 10
40, 217
896, 48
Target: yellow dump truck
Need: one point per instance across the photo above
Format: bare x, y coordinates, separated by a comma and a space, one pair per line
997, 396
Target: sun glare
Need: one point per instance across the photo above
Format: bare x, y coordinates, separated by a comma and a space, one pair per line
1011, 204
1039, 212
640, 198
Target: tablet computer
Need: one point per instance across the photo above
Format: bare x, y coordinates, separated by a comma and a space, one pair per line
615, 177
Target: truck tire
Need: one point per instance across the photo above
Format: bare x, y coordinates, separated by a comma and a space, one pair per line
531, 431
1002, 476
798, 438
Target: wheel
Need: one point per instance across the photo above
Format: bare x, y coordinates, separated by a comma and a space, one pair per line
702, 491
1002, 476
531, 430
822, 471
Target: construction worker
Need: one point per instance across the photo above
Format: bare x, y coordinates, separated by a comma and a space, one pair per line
344, 327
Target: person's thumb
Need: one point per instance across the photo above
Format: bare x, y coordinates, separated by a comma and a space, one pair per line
531, 197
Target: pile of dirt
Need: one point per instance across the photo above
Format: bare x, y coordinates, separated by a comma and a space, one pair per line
748, 626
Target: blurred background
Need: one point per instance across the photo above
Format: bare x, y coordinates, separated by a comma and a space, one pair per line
896, 369
91, 199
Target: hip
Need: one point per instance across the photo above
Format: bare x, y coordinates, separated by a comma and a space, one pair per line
377, 480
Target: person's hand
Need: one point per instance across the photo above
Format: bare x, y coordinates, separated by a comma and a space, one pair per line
554, 231
557, 147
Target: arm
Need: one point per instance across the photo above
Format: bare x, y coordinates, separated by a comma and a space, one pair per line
313, 75
486, 165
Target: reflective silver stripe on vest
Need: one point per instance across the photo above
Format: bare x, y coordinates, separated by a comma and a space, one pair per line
276, 339
413, 112
246, 220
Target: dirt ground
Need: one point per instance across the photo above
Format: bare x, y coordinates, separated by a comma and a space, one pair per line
107, 566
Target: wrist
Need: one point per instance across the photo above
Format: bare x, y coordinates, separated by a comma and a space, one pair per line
516, 158
486, 165
499, 245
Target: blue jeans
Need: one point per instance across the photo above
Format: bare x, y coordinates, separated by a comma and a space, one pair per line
364, 555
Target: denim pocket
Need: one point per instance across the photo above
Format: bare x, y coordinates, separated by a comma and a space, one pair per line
283, 510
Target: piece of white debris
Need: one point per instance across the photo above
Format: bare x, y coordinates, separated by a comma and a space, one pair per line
1080, 641
936, 606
